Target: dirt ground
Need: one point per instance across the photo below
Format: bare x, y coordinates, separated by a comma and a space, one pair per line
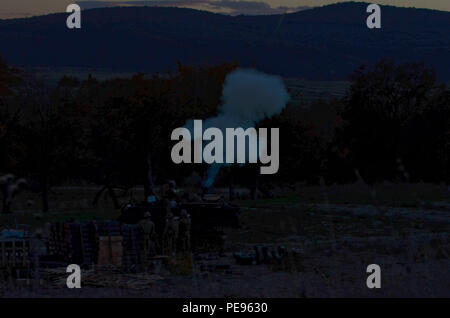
336, 233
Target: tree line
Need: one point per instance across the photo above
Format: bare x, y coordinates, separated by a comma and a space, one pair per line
392, 124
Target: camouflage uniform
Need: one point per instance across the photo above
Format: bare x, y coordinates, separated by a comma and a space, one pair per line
148, 229
170, 234
184, 231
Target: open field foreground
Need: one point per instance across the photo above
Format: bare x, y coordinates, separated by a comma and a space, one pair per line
332, 235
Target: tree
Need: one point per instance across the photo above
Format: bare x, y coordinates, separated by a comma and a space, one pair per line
49, 136
10, 111
381, 104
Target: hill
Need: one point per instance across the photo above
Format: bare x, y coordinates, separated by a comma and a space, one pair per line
322, 43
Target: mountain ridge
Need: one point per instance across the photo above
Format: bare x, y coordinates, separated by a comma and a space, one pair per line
326, 42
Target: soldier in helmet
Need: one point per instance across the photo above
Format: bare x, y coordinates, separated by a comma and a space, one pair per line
170, 234
172, 193
184, 231
148, 228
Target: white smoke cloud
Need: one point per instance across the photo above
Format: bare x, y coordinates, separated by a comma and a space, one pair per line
248, 97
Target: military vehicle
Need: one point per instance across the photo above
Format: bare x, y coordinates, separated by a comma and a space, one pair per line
208, 219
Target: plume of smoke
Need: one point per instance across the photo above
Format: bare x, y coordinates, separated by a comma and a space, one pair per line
211, 174
248, 97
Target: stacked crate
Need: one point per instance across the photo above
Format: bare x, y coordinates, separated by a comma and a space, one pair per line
97, 242
89, 241
133, 245
56, 240
15, 253
108, 228
65, 242
110, 250
72, 248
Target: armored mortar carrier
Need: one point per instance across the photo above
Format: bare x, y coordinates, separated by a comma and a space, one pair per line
208, 219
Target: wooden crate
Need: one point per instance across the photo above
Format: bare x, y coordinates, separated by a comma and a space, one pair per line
110, 250
14, 253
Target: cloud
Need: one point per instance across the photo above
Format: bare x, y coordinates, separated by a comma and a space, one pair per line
13, 15
252, 8
102, 4
235, 7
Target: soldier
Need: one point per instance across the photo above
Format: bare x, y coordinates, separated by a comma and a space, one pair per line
5, 180
160, 219
172, 193
148, 228
10, 189
196, 198
16, 187
170, 234
4, 184
184, 231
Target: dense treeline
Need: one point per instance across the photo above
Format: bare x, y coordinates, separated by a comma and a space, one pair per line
393, 124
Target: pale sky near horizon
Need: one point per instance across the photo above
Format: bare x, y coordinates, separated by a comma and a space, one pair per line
26, 8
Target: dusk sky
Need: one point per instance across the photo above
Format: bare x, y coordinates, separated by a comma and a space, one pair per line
25, 8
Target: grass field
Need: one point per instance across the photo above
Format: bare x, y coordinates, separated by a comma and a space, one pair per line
76, 202
305, 90
301, 90
337, 231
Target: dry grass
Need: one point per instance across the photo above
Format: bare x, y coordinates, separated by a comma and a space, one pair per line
339, 230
